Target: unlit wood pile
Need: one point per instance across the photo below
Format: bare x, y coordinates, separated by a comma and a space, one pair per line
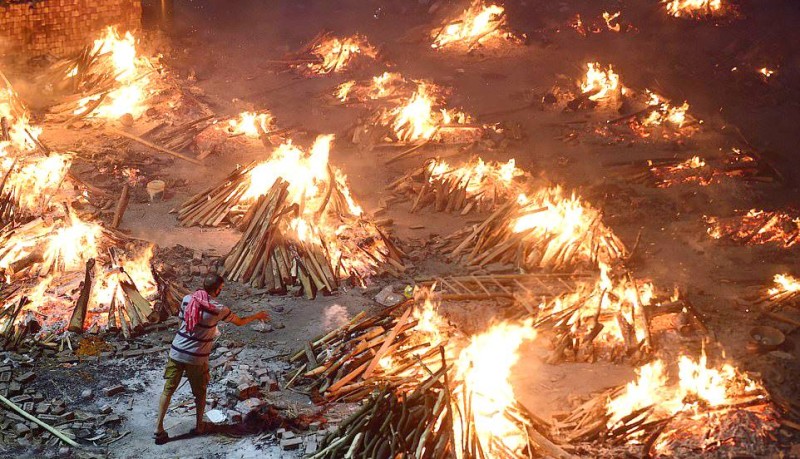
344, 364
218, 202
177, 138
494, 241
269, 256
757, 227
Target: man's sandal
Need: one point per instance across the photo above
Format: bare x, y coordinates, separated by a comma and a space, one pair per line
161, 437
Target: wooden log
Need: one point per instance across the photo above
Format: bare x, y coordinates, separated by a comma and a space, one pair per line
155, 147
122, 204
79, 313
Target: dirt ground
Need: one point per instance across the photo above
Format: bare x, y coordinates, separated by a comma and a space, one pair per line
227, 47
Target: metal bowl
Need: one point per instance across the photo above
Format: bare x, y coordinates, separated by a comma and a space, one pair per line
767, 338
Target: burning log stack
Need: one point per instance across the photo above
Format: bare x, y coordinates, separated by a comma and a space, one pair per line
548, 230
108, 79
757, 227
668, 172
300, 223
480, 26
704, 409
326, 54
475, 186
384, 349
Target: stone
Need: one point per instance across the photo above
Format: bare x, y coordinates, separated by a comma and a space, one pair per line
113, 390
246, 390
42, 408
289, 444
87, 394
64, 451
216, 416
280, 432
126, 120
5, 376
25, 378
387, 297
234, 416
311, 447
106, 409
248, 406
21, 429
14, 388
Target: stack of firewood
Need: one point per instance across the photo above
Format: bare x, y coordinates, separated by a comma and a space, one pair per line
219, 202
429, 420
273, 254
463, 189
496, 241
345, 364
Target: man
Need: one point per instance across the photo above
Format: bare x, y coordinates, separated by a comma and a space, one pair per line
192, 345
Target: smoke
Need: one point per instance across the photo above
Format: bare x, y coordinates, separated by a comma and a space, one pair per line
336, 315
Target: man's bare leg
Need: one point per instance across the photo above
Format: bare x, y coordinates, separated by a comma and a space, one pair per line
200, 408
163, 405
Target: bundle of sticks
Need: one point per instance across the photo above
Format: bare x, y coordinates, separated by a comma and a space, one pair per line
785, 292
475, 186
29, 184
218, 203
177, 138
429, 420
279, 248
542, 233
757, 227
383, 349
326, 53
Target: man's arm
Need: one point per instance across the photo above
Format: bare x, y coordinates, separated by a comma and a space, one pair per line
239, 321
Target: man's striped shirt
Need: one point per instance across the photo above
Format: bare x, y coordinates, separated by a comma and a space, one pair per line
194, 347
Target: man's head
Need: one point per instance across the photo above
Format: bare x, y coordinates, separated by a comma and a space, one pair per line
213, 284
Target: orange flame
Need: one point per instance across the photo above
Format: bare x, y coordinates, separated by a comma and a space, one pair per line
118, 56
601, 83
478, 24
335, 55
692, 8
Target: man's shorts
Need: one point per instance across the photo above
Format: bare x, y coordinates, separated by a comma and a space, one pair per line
197, 375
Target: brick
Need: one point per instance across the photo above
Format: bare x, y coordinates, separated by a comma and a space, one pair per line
113, 390
288, 444
25, 378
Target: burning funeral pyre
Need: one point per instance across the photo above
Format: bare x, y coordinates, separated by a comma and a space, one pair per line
423, 117
696, 9
300, 223
109, 79
481, 25
705, 408
326, 54
702, 171
756, 227
548, 229
439, 393
388, 87
474, 186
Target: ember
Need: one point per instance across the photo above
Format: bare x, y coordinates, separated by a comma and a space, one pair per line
476, 26
757, 227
